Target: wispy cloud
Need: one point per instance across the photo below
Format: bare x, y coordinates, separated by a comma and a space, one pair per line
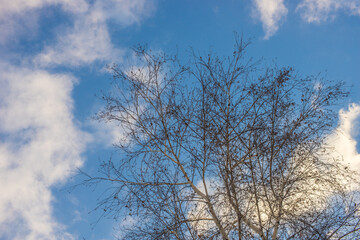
21, 6
20, 17
125, 12
86, 42
323, 10
270, 13
89, 40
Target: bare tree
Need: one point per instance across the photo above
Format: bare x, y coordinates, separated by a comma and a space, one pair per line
215, 150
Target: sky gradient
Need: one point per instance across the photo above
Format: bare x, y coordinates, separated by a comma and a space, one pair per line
53, 55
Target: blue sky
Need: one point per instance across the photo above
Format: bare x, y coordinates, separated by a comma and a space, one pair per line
52, 58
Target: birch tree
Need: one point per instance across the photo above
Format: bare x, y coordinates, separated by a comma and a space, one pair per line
224, 148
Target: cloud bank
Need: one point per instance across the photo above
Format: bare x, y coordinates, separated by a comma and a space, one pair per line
40, 147
343, 138
40, 142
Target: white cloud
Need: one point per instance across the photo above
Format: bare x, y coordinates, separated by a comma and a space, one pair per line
322, 10
125, 12
341, 143
20, 17
12, 29
41, 147
89, 40
270, 13
21, 6
343, 138
107, 134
